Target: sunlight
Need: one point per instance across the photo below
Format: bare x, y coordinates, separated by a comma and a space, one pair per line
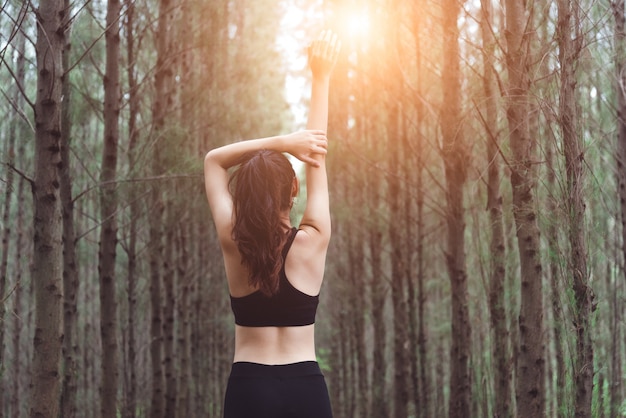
354, 25
358, 24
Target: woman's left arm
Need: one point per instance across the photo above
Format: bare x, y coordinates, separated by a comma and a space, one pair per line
303, 145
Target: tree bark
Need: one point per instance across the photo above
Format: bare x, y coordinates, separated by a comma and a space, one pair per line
619, 16
47, 268
398, 270
530, 388
162, 78
134, 207
70, 270
500, 341
424, 396
183, 407
14, 132
108, 209
454, 159
570, 45
169, 277
555, 294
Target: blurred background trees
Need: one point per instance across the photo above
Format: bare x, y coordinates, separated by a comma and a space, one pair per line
478, 182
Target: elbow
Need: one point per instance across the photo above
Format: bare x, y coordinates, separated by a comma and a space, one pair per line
210, 159
209, 156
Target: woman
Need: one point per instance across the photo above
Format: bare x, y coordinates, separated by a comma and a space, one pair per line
274, 270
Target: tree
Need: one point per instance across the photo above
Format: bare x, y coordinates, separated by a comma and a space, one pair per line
570, 41
47, 267
619, 16
530, 375
500, 341
455, 162
70, 268
108, 212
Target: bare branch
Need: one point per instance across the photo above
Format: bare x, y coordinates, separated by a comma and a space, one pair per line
136, 180
21, 174
18, 110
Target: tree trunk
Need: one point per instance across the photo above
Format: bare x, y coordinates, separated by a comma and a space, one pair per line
454, 159
620, 70
169, 277
47, 268
556, 293
500, 341
410, 274
398, 260
161, 104
70, 271
570, 45
15, 131
423, 402
357, 309
183, 408
108, 209
378, 406
134, 207
530, 388
20, 344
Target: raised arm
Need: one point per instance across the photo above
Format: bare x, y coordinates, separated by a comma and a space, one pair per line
322, 58
304, 145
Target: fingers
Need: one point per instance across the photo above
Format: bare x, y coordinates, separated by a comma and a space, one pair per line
326, 46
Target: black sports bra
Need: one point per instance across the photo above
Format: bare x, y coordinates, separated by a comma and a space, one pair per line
289, 307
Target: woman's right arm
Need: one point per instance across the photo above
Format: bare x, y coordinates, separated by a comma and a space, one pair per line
322, 58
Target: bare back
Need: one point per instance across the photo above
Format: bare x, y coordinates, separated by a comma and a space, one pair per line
304, 268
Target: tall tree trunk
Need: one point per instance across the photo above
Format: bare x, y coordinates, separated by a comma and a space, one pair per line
454, 159
570, 45
14, 132
423, 404
160, 107
408, 168
530, 388
354, 232
500, 341
615, 382
70, 271
556, 293
20, 325
47, 268
378, 405
169, 277
21, 249
620, 73
133, 134
398, 259
108, 209
183, 407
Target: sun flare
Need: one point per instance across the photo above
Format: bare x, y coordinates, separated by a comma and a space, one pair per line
358, 25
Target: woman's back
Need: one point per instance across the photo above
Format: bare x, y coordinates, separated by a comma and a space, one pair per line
279, 329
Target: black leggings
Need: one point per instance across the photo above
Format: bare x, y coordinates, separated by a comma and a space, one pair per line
296, 390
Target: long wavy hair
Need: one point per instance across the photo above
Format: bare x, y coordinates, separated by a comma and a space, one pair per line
262, 191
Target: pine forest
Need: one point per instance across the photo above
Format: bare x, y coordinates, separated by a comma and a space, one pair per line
477, 174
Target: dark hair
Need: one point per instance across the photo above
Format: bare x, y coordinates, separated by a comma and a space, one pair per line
261, 189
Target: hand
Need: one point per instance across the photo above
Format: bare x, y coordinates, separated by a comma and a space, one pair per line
323, 54
305, 144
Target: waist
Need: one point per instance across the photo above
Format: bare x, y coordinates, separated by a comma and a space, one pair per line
274, 345
250, 369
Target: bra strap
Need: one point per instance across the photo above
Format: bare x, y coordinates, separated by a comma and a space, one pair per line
290, 238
